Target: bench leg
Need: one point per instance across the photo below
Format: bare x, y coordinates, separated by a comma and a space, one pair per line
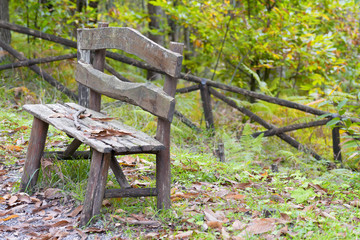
119, 174
74, 145
96, 186
163, 179
34, 154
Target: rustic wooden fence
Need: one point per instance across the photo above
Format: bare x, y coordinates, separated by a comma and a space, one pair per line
206, 87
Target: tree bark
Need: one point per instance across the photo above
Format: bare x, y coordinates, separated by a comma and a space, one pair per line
155, 13
5, 34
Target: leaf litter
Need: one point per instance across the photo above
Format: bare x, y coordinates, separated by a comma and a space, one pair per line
231, 207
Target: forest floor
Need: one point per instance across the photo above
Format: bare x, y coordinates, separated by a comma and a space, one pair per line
260, 192
210, 200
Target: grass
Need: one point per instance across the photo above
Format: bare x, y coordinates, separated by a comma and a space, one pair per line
317, 202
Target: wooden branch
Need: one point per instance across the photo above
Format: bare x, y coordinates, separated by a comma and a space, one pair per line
130, 192
76, 116
39, 71
35, 33
37, 61
60, 155
133, 42
256, 118
187, 121
145, 95
188, 89
115, 73
290, 128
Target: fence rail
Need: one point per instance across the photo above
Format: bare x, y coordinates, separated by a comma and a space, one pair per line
206, 86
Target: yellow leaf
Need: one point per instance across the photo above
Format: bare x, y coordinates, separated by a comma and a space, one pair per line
13, 148
9, 217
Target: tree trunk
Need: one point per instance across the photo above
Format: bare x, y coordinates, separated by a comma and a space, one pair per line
5, 34
155, 13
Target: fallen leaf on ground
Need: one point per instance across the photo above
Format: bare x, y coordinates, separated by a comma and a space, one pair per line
76, 211
13, 148
237, 225
238, 197
184, 235
12, 200
52, 193
355, 203
214, 224
261, 225
9, 217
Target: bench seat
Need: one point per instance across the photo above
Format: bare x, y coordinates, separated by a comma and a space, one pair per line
93, 127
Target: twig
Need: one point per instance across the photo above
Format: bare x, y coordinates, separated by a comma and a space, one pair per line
76, 116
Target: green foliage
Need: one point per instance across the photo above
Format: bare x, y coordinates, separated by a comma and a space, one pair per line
302, 195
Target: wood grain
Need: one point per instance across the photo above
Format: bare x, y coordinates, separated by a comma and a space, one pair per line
163, 168
145, 95
34, 154
133, 42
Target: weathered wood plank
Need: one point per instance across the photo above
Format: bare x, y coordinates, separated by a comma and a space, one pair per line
96, 186
98, 64
34, 154
130, 192
145, 95
119, 125
163, 168
119, 174
44, 113
133, 42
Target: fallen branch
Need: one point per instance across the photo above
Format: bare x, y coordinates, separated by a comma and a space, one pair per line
186, 121
290, 128
188, 89
76, 116
37, 61
265, 124
39, 71
115, 73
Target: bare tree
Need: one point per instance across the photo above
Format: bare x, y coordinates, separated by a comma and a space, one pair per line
156, 14
5, 34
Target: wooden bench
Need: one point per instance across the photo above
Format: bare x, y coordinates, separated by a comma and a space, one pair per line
107, 137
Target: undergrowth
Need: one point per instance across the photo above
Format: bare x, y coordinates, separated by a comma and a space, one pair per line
270, 166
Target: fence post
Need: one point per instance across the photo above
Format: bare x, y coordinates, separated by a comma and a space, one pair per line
206, 103
336, 144
209, 118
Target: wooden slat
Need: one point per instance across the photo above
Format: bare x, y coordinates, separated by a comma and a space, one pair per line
130, 192
145, 95
138, 142
153, 143
133, 42
44, 113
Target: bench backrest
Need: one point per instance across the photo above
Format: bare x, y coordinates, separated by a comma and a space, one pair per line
158, 102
